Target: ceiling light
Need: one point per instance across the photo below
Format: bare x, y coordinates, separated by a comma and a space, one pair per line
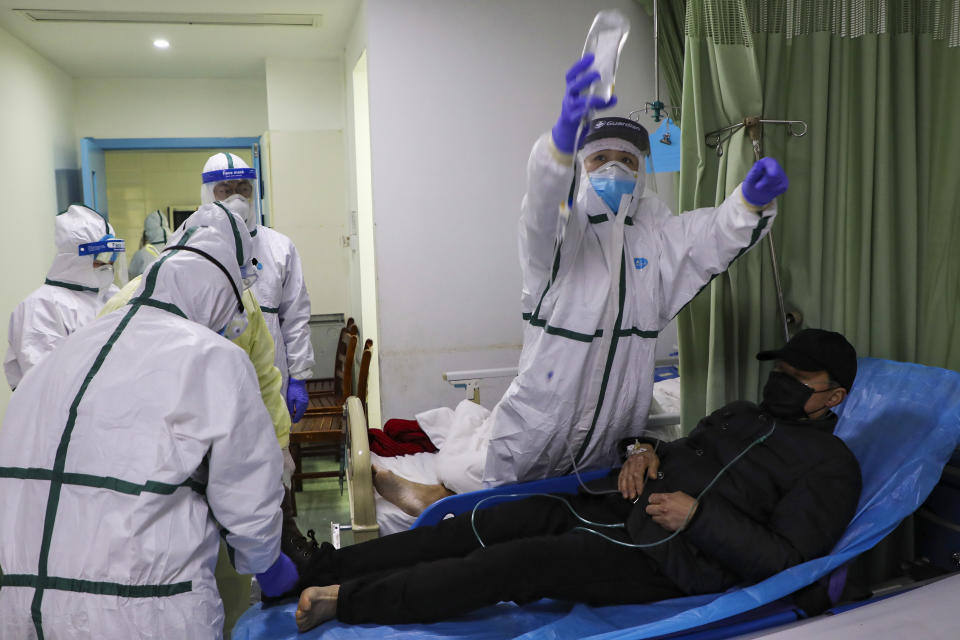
160, 43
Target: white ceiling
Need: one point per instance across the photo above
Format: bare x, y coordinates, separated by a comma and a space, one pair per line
196, 51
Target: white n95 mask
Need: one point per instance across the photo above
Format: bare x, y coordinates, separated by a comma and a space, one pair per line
103, 276
612, 181
243, 208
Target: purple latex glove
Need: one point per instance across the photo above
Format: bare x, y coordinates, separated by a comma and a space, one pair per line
297, 399
575, 106
280, 578
764, 182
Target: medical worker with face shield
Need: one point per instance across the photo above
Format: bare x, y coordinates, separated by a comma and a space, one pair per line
280, 287
155, 234
129, 451
603, 273
76, 286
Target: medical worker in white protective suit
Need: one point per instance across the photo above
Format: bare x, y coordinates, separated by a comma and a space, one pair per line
127, 450
228, 218
155, 234
280, 288
600, 280
77, 285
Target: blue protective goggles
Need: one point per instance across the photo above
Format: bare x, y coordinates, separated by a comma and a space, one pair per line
222, 175
105, 249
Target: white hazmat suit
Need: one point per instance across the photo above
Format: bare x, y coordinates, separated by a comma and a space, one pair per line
582, 386
70, 297
280, 287
115, 485
155, 235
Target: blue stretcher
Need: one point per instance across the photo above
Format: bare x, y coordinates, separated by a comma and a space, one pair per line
902, 421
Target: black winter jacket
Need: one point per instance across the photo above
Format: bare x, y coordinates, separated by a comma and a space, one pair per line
788, 500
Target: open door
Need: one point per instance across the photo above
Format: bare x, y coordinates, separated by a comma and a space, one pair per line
93, 168
260, 152
365, 231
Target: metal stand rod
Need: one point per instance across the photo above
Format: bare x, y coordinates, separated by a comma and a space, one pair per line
776, 281
754, 129
656, 52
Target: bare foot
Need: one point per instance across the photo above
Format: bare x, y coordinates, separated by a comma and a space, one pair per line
317, 604
410, 496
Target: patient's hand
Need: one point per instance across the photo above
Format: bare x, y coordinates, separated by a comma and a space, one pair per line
637, 468
671, 510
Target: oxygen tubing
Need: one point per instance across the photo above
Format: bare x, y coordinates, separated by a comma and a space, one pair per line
619, 525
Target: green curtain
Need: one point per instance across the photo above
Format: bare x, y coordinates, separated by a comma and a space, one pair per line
867, 233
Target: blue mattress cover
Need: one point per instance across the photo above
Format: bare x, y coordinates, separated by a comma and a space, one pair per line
901, 420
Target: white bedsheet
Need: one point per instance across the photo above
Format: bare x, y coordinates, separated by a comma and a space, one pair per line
422, 467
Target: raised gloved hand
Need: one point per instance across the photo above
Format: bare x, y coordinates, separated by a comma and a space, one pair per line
297, 399
764, 182
280, 578
575, 106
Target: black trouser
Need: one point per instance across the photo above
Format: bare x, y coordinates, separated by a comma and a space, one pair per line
532, 552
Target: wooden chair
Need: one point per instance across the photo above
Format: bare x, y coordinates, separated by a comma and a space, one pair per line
322, 426
364, 374
333, 392
321, 430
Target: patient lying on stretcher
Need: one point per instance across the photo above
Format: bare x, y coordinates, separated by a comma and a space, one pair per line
751, 491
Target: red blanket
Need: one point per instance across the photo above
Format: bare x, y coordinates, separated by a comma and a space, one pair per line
399, 438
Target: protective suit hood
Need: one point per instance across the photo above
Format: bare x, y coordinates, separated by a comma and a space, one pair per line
155, 229
225, 162
227, 218
191, 282
73, 227
588, 199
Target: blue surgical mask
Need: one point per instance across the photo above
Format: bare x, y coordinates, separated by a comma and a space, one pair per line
612, 181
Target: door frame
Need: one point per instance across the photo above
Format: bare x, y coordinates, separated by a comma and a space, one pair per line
129, 144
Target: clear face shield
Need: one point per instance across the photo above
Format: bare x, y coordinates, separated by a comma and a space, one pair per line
109, 259
243, 182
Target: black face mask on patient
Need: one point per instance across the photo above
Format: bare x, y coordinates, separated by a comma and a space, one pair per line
784, 396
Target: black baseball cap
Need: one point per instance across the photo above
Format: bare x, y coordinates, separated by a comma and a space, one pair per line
819, 350
622, 128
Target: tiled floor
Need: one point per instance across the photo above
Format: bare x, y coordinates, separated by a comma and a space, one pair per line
321, 503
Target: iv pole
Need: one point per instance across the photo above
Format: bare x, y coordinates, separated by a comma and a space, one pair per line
754, 128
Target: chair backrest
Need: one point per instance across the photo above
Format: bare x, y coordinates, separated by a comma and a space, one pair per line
343, 368
364, 374
341, 342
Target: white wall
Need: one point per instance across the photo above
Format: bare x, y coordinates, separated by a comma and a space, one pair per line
308, 205
305, 114
459, 91
304, 94
170, 108
36, 126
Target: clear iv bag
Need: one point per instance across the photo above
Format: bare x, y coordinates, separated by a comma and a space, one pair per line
605, 41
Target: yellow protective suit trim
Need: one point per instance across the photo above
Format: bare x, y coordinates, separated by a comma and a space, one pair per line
257, 342
563, 158
152, 250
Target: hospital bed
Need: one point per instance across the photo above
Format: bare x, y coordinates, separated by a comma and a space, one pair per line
901, 420
357, 477
664, 421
